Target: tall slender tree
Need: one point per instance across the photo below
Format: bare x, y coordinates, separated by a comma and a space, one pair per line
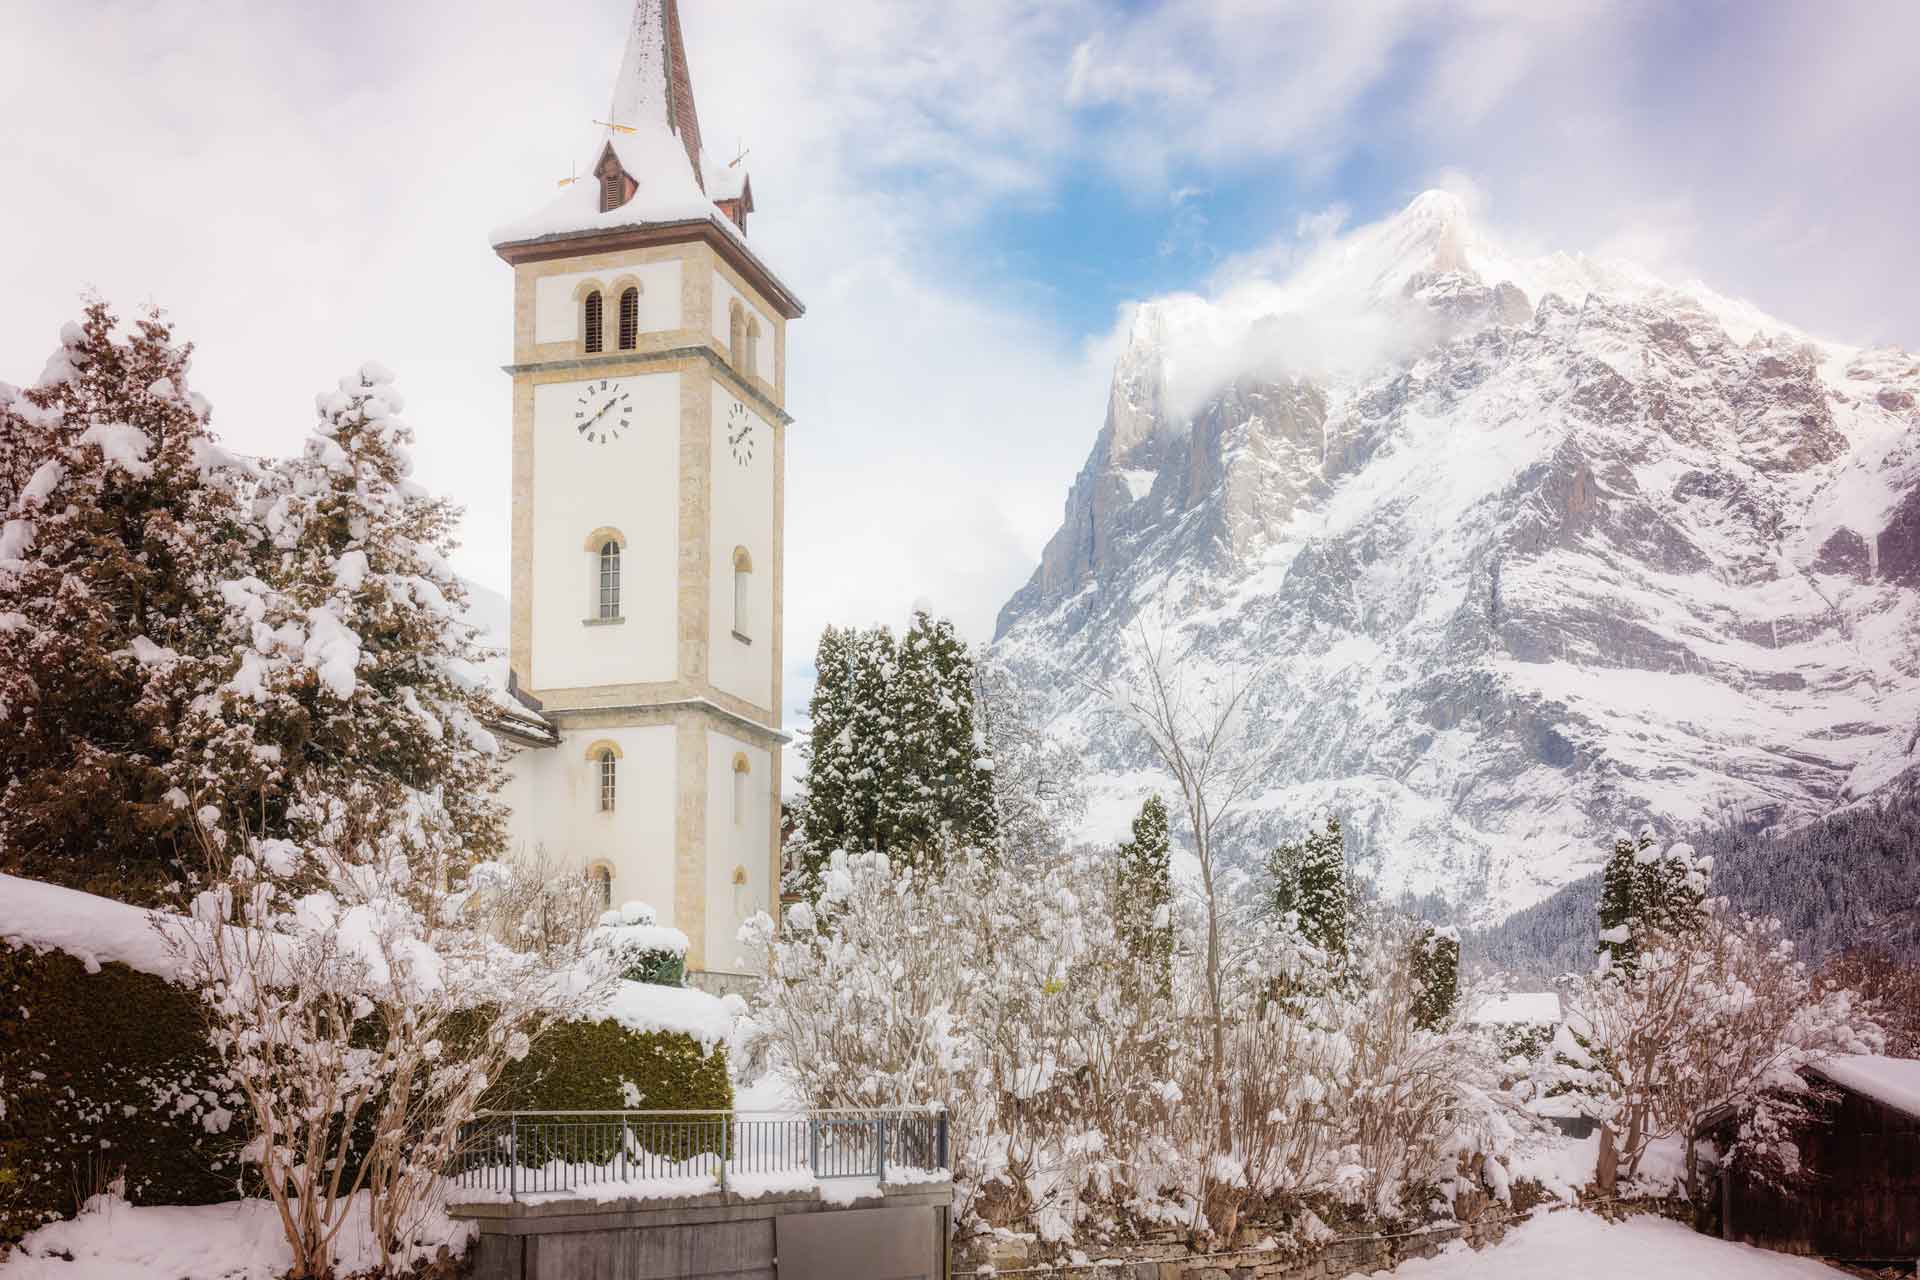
1145, 895
1309, 878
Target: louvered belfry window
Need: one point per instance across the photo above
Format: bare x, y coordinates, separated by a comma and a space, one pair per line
629, 319
609, 579
613, 188
594, 342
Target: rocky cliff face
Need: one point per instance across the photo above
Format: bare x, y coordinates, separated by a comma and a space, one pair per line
1514, 553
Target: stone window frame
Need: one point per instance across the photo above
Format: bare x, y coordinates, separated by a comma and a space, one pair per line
742, 771
742, 584
605, 755
596, 544
600, 873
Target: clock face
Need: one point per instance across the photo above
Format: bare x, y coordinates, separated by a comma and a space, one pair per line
740, 433
603, 412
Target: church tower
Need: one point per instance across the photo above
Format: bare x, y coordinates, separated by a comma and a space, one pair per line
649, 455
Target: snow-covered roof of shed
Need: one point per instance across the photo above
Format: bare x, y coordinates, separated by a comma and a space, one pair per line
1534, 1008
1894, 1082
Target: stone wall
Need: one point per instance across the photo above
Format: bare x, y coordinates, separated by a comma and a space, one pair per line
711, 1235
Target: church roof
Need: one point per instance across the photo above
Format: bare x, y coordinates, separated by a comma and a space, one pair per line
653, 131
654, 87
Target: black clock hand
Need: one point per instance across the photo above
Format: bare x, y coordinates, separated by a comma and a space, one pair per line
596, 417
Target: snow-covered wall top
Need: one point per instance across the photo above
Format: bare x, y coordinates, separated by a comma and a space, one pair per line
1515, 552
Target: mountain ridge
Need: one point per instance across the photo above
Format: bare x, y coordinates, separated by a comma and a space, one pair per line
1510, 570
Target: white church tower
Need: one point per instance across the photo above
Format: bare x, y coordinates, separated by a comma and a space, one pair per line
649, 453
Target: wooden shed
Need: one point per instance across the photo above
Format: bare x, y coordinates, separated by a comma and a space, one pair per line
1861, 1199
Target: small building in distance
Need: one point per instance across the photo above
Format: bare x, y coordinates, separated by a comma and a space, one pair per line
1860, 1200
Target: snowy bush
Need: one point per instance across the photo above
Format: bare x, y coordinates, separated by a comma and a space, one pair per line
1721, 1014
1079, 1068
339, 978
638, 948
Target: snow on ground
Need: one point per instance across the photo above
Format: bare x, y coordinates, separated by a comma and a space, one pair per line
1893, 1081
1582, 1246
237, 1240
1534, 1008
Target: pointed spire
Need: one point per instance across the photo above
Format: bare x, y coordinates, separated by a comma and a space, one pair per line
654, 86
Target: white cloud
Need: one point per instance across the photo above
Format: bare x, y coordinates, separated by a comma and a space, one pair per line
305, 187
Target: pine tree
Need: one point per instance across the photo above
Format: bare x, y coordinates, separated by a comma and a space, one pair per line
1309, 878
894, 761
361, 669
1145, 889
942, 793
1436, 965
1645, 891
123, 521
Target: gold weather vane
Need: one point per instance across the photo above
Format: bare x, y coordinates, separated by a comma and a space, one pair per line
617, 128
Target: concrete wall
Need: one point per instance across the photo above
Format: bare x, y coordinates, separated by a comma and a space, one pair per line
904, 1229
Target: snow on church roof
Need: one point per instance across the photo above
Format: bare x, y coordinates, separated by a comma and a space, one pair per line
657, 142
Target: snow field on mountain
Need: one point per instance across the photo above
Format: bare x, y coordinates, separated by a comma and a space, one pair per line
1507, 573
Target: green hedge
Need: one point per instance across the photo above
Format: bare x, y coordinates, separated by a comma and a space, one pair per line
103, 1074
107, 1073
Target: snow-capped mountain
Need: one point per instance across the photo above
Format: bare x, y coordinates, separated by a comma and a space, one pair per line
1516, 552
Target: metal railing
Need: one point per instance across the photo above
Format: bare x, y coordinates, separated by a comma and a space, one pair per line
685, 1152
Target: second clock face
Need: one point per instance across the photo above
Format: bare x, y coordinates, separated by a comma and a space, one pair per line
740, 433
603, 412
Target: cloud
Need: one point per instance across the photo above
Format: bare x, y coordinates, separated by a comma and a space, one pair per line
306, 186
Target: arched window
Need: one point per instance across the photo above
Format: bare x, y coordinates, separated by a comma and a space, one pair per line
602, 877
629, 319
610, 579
609, 779
752, 365
592, 318
736, 332
741, 771
742, 593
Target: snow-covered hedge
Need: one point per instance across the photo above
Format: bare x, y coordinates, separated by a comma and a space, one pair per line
106, 1071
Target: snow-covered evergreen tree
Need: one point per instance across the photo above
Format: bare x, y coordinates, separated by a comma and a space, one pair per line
1309, 879
1436, 967
122, 519
1645, 890
941, 793
1145, 891
894, 762
356, 665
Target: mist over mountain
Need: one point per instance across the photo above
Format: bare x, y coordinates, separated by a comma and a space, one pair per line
1515, 552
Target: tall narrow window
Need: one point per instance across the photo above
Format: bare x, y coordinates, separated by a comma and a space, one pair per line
742, 594
736, 332
741, 769
629, 319
592, 318
609, 579
613, 188
752, 365
602, 878
609, 780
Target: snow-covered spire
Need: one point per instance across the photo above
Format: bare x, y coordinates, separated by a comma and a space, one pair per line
654, 87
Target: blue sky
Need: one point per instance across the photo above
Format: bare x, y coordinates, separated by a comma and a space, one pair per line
967, 195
